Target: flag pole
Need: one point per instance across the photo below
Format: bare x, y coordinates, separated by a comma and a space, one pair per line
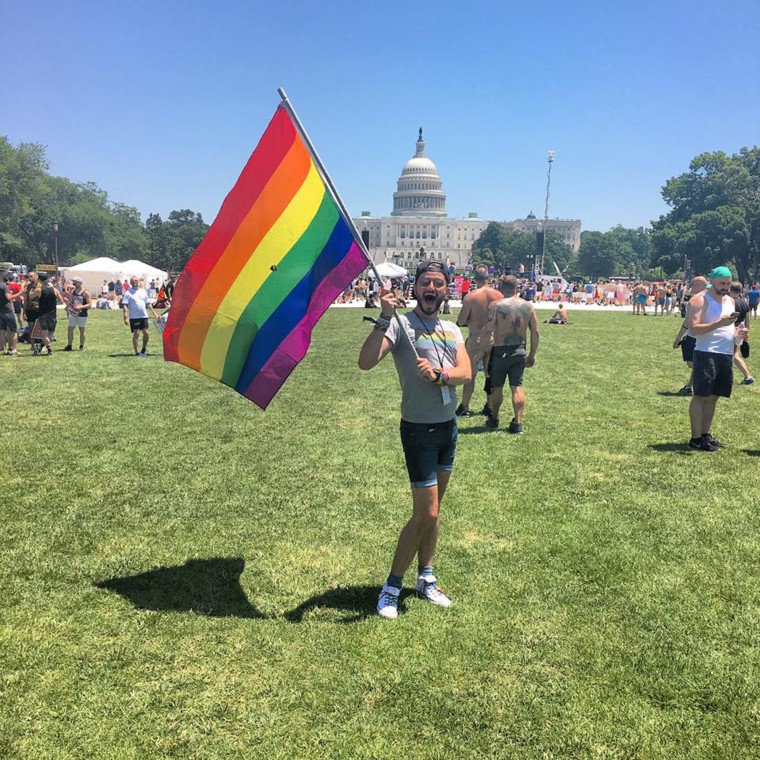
326, 178
335, 196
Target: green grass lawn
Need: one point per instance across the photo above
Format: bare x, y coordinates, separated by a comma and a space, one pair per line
186, 576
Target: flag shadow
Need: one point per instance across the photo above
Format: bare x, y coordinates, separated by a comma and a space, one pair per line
351, 603
208, 587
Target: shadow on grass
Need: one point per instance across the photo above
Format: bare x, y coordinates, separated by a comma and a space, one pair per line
131, 355
352, 603
208, 587
477, 430
752, 452
670, 394
678, 448
211, 587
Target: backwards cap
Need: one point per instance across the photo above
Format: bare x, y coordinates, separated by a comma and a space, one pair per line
432, 266
720, 272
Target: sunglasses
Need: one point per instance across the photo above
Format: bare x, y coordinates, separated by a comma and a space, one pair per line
436, 282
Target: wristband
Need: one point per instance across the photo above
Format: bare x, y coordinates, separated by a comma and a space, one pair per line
382, 323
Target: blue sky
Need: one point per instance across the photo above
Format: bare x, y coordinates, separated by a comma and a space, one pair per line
160, 103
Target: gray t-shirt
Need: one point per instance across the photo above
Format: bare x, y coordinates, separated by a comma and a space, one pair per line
436, 341
6, 306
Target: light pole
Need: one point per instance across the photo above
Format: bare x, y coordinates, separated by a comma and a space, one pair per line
550, 160
55, 243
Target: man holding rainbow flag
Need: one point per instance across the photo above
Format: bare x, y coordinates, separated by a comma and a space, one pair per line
431, 359
282, 247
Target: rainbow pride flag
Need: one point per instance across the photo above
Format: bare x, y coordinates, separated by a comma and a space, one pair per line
277, 255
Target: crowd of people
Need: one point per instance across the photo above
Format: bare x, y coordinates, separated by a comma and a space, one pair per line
29, 309
432, 358
664, 297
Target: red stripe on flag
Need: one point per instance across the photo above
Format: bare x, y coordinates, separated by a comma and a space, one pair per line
268, 155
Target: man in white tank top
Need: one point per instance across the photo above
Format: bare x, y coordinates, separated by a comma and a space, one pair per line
711, 320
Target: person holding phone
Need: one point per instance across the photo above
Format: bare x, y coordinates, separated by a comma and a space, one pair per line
710, 320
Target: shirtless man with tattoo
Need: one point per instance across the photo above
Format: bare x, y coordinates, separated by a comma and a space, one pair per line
508, 322
473, 315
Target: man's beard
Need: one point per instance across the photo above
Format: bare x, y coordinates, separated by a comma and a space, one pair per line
428, 306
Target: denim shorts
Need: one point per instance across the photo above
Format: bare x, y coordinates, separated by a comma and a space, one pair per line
429, 448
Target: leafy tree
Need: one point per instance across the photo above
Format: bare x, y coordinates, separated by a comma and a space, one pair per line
557, 251
23, 181
172, 242
715, 215
492, 245
634, 255
31, 201
510, 248
156, 252
125, 236
599, 254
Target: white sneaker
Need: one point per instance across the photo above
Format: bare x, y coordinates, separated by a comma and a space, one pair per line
427, 589
387, 604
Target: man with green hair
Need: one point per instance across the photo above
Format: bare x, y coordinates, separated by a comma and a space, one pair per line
711, 320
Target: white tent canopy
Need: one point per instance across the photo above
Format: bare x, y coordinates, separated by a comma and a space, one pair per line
103, 264
389, 269
95, 271
143, 270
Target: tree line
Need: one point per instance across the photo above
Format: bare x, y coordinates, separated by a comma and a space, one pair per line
714, 219
89, 224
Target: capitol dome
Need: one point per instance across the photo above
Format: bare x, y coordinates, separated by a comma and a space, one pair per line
420, 190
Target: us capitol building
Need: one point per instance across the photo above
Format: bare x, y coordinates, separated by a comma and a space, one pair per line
418, 227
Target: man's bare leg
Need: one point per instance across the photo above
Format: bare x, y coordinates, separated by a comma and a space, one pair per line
518, 402
701, 412
420, 534
496, 399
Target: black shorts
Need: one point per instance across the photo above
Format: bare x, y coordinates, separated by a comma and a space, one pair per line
488, 385
713, 374
508, 362
429, 448
31, 317
138, 324
48, 321
687, 348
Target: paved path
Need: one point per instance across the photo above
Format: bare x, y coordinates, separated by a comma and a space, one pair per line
540, 305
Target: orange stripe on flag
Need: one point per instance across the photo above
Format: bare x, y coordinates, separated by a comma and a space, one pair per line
267, 209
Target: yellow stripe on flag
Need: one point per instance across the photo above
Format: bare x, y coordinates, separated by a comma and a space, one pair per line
276, 244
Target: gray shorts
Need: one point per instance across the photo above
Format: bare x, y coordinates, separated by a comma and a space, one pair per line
8, 322
48, 321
